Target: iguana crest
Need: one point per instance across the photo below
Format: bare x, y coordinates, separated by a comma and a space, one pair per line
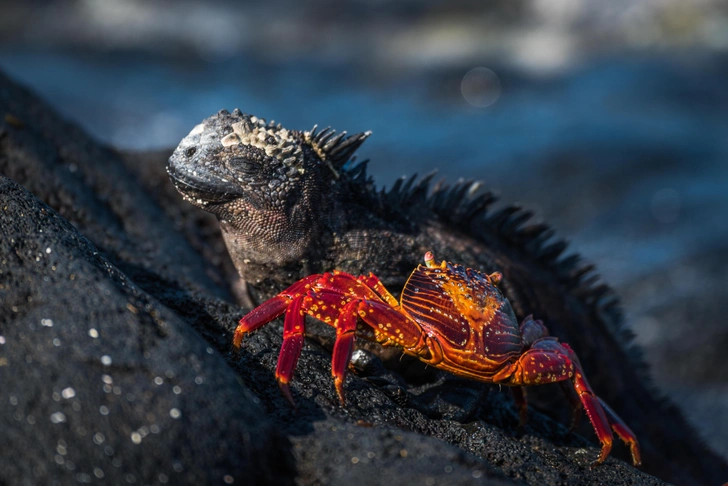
334, 150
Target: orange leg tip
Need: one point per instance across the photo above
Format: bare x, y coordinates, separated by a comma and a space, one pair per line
597, 463
623, 432
339, 384
606, 448
286, 391
238, 339
636, 458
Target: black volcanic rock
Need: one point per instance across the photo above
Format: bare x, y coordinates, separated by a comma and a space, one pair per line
101, 382
134, 276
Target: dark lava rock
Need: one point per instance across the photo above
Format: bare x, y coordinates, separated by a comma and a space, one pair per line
96, 314
101, 382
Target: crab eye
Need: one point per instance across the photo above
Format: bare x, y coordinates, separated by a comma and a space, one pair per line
429, 259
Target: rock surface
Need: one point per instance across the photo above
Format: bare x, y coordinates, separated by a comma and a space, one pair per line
142, 283
102, 382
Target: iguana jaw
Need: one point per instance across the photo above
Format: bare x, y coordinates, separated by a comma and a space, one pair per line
200, 182
201, 191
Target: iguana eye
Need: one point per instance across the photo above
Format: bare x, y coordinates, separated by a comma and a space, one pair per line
244, 165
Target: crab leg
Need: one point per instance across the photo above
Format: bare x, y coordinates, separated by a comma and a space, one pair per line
326, 306
519, 396
344, 346
348, 286
547, 362
576, 406
336, 310
391, 327
263, 314
271, 309
596, 414
293, 332
612, 419
387, 324
322, 306
624, 432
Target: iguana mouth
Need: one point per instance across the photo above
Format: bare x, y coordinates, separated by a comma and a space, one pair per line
200, 186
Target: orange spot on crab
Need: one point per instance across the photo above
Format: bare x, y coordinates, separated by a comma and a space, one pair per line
473, 333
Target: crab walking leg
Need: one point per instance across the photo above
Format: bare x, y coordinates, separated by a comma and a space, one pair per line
293, 332
344, 346
388, 326
348, 286
531, 331
339, 311
616, 423
548, 362
270, 309
326, 305
576, 406
322, 306
596, 414
624, 432
263, 314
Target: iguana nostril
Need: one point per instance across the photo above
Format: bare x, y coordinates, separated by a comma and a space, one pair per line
190, 151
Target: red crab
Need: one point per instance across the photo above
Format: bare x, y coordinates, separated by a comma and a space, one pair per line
450, 317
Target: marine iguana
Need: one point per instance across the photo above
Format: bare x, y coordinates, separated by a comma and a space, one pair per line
292, 203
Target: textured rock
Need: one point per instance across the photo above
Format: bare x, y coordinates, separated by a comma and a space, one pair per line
145, 250
102, 382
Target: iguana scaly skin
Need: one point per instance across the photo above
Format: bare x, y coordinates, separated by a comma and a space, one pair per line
292, 203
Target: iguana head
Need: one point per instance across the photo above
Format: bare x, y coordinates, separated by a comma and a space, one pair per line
269, 186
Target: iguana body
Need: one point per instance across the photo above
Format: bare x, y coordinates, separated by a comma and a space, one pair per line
292, 203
